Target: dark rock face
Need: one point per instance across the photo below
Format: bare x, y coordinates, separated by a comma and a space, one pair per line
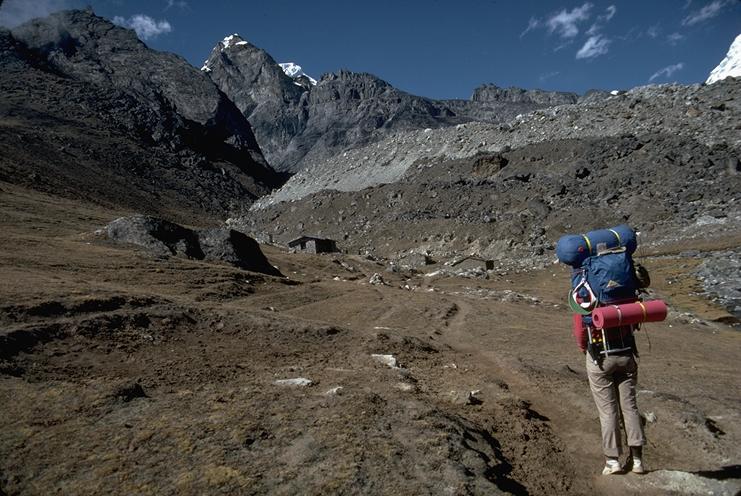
236, 248
9, 55
98, 115
85, 47
263, 93
158, 236
163, 238
492, 93
346, 110
298, 125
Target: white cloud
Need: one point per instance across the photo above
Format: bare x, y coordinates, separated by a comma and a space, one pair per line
549, 75
666, 71
611, 11
563, 45
674, 38
594, 47
707, 12
653, 31
145, 26
181, 4
565, 23
533, 24
15, 12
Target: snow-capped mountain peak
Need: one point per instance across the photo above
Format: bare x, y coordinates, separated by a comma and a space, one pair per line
232, 40
729, 66
294, 71
228, 42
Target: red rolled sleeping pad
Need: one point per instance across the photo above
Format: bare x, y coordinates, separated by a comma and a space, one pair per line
629, 313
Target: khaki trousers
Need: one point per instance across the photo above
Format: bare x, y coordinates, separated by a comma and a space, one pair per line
614, 390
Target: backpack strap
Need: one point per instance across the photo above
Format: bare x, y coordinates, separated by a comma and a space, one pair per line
589, 243
592, 302
643, 308
620, 314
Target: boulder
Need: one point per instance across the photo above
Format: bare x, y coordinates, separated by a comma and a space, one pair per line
388, 360
236, 248
158, 236
164, 238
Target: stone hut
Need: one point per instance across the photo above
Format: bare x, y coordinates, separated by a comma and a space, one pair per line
310, 244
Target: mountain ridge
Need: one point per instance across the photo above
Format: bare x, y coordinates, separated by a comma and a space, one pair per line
300, 125
125, 125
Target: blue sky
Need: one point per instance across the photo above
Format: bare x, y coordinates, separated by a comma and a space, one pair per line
446, 48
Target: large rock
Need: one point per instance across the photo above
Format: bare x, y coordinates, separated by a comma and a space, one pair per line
156, 235
236, 248
164, 238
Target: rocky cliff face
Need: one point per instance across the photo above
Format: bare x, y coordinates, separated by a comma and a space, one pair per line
492, 93
346, 110
296, 124
97, 114
299, 124
699, 113
85, 47
265, 95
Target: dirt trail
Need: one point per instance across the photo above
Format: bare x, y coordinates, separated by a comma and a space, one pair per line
120, 373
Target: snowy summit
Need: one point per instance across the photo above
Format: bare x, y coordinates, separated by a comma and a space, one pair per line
294, 71
229, 41
232, 40
729, 66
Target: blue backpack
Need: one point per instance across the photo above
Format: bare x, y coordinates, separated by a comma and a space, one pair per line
610, 275
603, 269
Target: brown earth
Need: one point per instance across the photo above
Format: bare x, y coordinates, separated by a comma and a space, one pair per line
125, 374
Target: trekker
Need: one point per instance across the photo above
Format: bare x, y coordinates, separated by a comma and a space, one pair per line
612, 380
604, 274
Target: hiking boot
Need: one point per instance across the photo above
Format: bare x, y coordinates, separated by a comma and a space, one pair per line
612, 466
638, 467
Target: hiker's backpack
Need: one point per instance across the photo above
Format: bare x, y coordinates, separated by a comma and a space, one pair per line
602, 262
603, 274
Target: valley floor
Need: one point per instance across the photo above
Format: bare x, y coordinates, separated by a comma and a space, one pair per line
125, 374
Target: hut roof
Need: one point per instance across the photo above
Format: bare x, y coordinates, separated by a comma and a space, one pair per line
304, 239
